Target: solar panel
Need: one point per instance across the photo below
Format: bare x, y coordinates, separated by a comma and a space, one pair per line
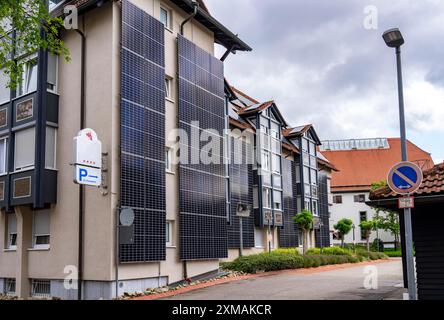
142, 134
202, 198
323, 236
288, 234
241, 191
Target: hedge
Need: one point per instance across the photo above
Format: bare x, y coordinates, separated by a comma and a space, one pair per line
281, 260
330, 250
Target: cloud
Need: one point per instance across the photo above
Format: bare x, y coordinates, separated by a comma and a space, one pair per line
321, 66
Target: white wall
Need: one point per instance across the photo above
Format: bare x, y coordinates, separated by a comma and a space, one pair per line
350, 209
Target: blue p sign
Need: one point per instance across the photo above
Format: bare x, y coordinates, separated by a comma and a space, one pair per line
83, 173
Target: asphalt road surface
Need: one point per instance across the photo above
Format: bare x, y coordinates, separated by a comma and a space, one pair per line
341, 284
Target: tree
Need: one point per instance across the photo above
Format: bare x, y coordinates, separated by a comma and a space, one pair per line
343, 227
304, 220
367, 227
390, 222
26, 26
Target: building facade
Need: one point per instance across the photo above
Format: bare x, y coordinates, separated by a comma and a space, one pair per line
362, 162
144, 77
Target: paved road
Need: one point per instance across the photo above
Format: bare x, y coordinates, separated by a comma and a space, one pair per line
333, 285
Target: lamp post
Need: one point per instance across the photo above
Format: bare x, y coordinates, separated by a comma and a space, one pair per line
393, 39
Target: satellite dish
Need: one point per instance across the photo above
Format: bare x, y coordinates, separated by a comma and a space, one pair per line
127, 217
242, 210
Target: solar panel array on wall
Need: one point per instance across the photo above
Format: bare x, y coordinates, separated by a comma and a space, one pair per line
241, 191
288, 234
143, 133
323, 236
202, 196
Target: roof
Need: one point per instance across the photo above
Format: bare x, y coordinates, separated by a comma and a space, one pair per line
358, 169
432, 184
300, 130
222, 34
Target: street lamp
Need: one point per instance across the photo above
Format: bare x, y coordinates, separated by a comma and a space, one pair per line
393, 39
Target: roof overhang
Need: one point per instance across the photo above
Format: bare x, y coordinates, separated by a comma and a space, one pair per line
392, 203
222, 35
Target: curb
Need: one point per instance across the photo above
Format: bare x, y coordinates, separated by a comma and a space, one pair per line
304, 271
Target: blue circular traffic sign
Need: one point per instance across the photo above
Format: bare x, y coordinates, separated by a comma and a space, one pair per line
404, 178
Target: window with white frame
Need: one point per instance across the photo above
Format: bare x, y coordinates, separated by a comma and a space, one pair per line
266, 160
3, 155
277, 200
314, 209
5, 93
40, 229
169, 159
168, 88
52, 73
50, 147
169, 233
24, 149
259, 238
266, 198
28, 82
11, 223
165, 17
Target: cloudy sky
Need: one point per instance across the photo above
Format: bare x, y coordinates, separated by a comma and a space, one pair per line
322, 64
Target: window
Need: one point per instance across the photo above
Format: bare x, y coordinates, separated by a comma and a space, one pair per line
276, 163
266, 160
168, 160
304, 145
5, 93
12, 231
29, 77
41, 288
266, 197
3, 155
168, 84
41, 235
165, 17
337, 199
10, 286
52, 73
314, 177
24, 149
314, 205
307, 204
277, 181
359, 198
169, 233
50, 148
277, 200
258, 238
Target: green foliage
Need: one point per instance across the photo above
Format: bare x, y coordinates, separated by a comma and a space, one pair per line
343, 226
304, 219
284, 259
377, 245
330, 251
393, 253
28, 18
287, 251
378, 184
367, 227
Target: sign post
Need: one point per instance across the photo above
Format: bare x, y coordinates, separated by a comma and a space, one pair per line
405, 178
242, 211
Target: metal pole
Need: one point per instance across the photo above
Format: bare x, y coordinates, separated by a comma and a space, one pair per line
407, 212
269, 238
241, 247
117, 252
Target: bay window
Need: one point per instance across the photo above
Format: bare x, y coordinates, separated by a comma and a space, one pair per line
5, 93
28, 82
277, 200
266, 198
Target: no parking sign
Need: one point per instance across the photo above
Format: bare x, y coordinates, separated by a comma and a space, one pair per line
404, 178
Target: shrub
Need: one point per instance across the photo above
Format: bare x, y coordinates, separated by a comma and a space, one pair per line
393, 253
336, 251
287, 251
377, 245
313, 251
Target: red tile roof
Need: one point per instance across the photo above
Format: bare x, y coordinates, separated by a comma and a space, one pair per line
432, 184
358, 169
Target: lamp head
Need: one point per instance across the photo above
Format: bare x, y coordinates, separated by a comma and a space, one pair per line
393, 38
